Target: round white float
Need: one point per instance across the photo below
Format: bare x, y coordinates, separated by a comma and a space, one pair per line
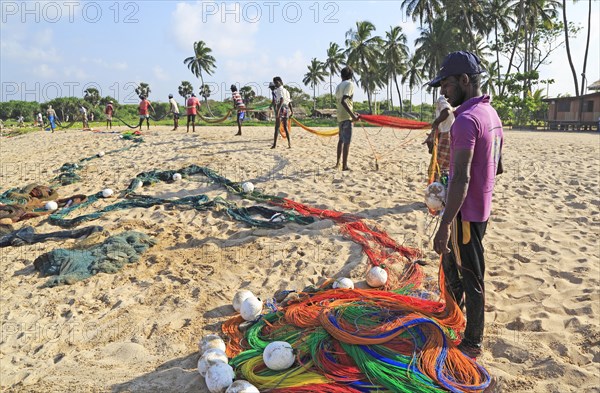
343, 283
376, 277
241, 386
251, 308
247, 187
210, 341
101, 154
435, 196
51, 206
107, 193
219, 377
177, 176
239, 298
278, 355
209, 358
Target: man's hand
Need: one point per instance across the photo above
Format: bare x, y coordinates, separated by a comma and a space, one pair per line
429, 141
440, 242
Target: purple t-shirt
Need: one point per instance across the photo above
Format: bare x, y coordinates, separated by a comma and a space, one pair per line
477, 127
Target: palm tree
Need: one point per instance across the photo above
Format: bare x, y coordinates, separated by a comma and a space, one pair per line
363, 52
143, 89
395, 54
201, 61
427, 9
316, 73
247, 94
469, 14
185, 89
534, 13
587, 47
333, 64
413, 75
434, 43
498, 13
92, 95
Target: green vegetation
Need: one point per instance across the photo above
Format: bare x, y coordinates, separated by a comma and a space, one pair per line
523, 32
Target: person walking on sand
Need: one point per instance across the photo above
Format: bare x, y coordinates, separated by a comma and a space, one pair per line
192, 106
51, 117
174, 109
345, 116
283, 110
239, 105
476, 140
84, 119
144, 112
40, 120
109, 111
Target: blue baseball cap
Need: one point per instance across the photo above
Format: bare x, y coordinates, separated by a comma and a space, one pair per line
456, 63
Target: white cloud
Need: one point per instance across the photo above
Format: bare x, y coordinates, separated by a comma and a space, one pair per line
44, 71
159, 73
75, 73
226, 29
23, 49
111, 65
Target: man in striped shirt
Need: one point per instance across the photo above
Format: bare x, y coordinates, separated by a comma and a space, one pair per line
238, 104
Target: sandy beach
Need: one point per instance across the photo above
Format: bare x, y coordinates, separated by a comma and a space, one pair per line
137, 330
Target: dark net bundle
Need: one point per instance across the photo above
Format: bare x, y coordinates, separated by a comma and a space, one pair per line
70, 266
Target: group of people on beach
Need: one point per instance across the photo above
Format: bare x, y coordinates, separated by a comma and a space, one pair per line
468, 136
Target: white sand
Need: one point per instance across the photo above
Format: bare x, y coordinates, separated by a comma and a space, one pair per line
137, 330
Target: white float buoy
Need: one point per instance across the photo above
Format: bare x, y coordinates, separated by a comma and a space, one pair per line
210, 341
241, 386
376, 277
177, 176
251, 308
278, 355
101, 154
51, 206
239, 298
344, 283
435, 196
247, 187
107, 193
209, 358
219, 377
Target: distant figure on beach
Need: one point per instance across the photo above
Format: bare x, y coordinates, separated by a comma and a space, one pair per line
51, 117
84, 118
174, 109
476, 140
40, 120
144, 112
273, 103
239, 105
192, 106
440, 131
283, 110
91, 116
345, 116
21, 121
109, 111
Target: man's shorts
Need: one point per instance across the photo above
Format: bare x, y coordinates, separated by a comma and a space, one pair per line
144, 116
175, 116
108, 117
345, 131
283, 111
241, 114
191, 118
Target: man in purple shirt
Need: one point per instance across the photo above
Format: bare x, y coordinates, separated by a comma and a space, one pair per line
476, 139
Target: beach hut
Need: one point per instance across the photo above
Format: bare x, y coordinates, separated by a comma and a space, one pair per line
574, 113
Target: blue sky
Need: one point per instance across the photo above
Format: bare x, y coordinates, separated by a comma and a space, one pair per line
58, 48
